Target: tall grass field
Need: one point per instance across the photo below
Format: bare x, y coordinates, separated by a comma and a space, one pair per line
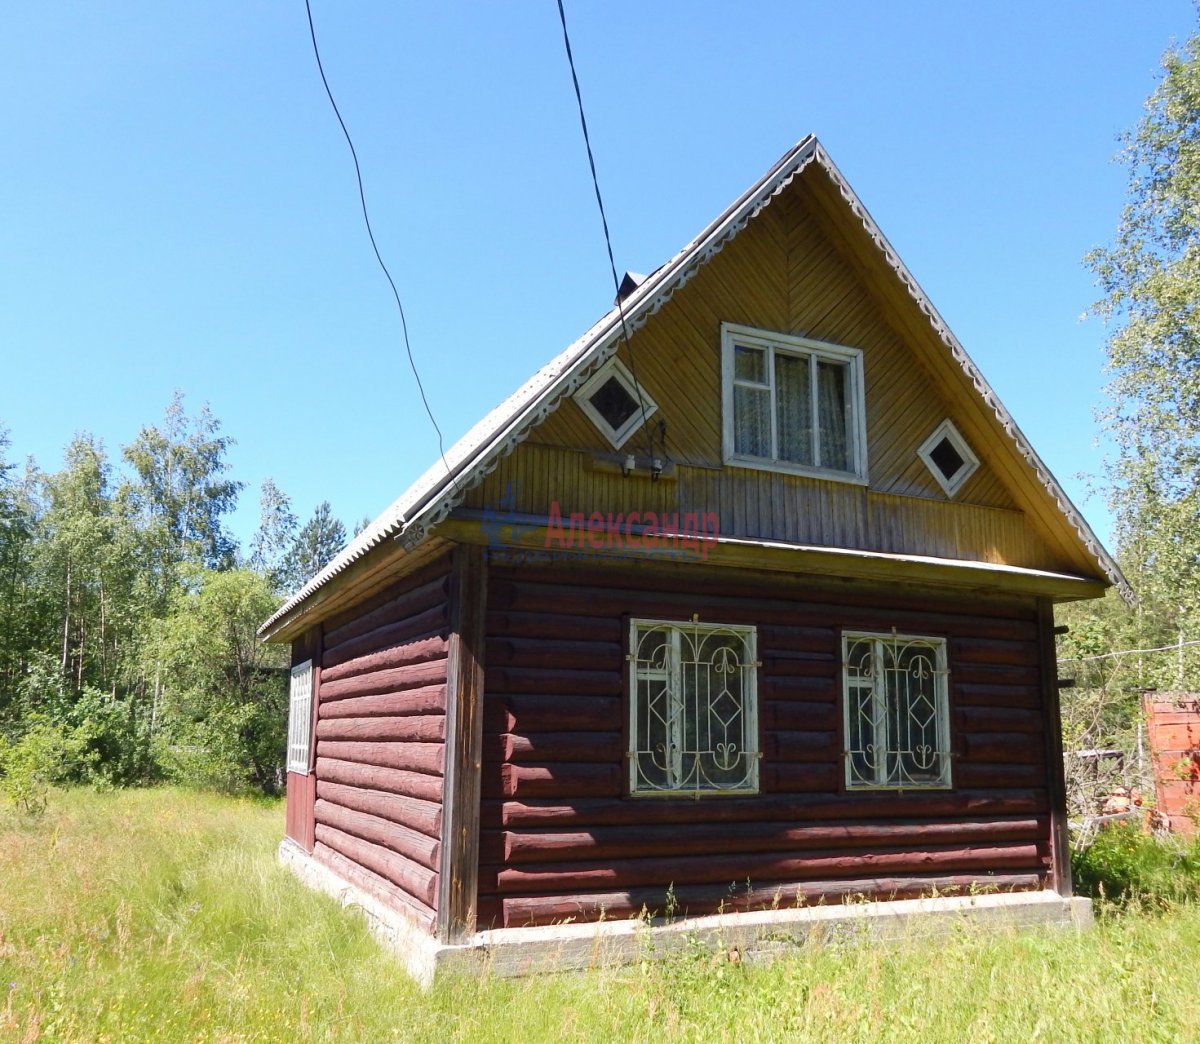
162, 915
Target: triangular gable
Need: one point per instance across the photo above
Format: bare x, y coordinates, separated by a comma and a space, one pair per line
437, 492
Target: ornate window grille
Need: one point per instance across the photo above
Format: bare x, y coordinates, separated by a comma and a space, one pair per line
300, 718
693, 719
896, 712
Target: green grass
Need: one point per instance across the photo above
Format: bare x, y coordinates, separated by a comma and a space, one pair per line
162, 915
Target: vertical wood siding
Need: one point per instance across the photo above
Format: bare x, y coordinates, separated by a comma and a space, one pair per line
560, 840
381, 741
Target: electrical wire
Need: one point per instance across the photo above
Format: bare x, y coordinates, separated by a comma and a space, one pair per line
362, 197
1128, 652
562, 17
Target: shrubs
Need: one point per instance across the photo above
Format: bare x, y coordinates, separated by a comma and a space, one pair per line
1124, 867
44, 754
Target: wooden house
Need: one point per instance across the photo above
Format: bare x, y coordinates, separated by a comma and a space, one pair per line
745, 599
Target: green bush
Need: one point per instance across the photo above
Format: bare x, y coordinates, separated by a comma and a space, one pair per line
44, 754
1124, 867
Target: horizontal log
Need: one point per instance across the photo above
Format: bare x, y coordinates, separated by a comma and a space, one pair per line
418, 881
629, 842
430, 569
377, 777
416, 599
1016, 748
430, 699
800, 667
798, 687
975, 650
563, 780
410, 728
967, 694
554, 626
783, 638
977, 774
799, 714
374, 885
714, 869
613, 593
425, 816
992, 674
528, 714
400, 655
521, 911
555, 746
414, 676
432, 621
804, 778
411, 844
790, 808
555, 654
805, 746
427, 758
553, 681
999, 719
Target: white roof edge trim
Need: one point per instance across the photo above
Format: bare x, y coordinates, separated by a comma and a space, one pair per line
894, 556
477, 454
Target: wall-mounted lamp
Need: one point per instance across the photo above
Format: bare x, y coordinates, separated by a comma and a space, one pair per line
656, 467
628, 465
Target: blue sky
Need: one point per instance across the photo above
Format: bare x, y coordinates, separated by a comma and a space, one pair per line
180, 209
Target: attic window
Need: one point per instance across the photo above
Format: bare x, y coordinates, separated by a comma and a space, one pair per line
948, 457
610, 399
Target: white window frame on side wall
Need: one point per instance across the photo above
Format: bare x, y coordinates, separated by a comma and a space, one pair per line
300, 718
658, 690
734, 336
877, 687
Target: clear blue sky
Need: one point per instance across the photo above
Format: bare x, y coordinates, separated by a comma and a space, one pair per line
179, 208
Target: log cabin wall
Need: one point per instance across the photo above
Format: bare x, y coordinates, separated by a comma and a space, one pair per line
380, 741
559, 838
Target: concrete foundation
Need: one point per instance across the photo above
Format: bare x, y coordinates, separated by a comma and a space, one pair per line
756, 936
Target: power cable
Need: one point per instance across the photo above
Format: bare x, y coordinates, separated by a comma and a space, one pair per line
362, 197
562, 17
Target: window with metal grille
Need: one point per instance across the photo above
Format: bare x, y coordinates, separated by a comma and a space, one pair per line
897, 727
693, 714
300, 718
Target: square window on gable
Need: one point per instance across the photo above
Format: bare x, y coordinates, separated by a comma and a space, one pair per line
948, 457
610, 399
793, 404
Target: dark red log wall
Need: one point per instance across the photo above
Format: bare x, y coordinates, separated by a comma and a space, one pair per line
380, 741
560, 839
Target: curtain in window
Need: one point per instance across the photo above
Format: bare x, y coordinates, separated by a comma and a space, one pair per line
793, 403
831, 405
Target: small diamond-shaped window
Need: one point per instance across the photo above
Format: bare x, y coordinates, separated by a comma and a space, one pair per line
610, 398
948, 457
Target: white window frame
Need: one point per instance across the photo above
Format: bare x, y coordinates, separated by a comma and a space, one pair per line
615, 368
879, 699
947, 430
300, 718
733, 336
671, 673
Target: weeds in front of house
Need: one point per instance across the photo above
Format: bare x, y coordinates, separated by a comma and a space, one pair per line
1123, 867
162, 915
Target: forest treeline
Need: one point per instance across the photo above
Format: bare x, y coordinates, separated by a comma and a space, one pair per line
128, 612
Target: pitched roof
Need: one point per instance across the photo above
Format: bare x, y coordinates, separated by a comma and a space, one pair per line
432, 497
